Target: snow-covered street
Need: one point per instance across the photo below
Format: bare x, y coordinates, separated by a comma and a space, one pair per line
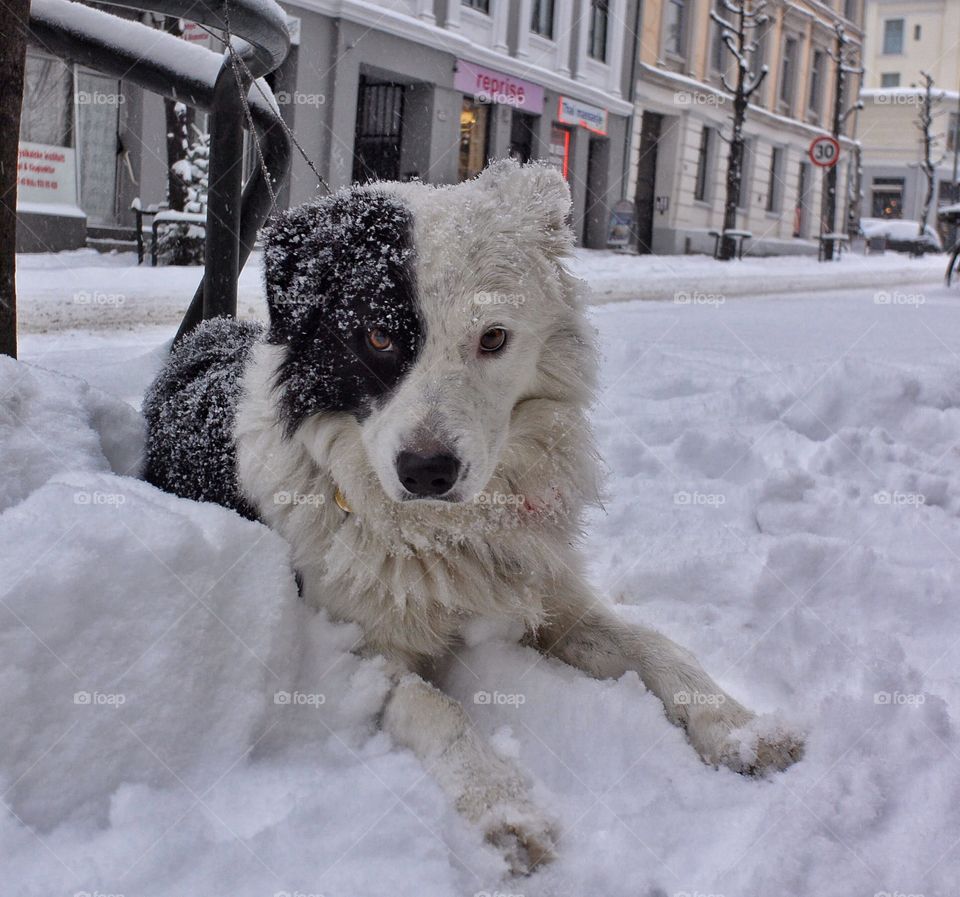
783, 498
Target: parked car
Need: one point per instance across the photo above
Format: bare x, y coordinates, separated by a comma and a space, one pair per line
902, 235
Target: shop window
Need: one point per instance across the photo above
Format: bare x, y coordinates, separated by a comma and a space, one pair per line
893, 37
47, 115
522, 129
599, 19
890, 79
703, 164
676, 36
542, 18
474, 132
560, 138
887, 198
479, 5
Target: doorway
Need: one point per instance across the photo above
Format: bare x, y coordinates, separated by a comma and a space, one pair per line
595, 208
645, 197
379, 131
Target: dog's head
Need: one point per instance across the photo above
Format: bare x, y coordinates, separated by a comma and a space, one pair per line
419, 320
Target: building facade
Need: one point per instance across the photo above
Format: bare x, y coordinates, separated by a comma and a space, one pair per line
682, 120
391, 89
905, 39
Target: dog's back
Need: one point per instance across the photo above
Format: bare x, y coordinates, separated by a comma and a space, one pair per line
190, 410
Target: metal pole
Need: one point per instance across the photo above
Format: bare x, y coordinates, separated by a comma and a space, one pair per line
222, 253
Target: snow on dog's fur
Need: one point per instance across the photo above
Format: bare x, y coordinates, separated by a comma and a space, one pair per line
414, 422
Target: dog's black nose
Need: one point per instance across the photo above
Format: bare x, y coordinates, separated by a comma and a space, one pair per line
427, 475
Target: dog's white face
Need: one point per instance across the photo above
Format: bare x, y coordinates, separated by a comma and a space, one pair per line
460, 312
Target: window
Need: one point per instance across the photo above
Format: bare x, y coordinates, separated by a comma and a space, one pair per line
815, 100
916, 32
887, 198
890, 79
478, 5
788, 71
743, 198
718, 48
850, 10
542, 20
893, 37
473, 138
599, 14
47, 115
676, 38
775, 181
759, 55
953, 132
704, 159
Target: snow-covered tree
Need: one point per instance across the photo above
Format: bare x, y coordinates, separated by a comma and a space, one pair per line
738, 21
844, 56
926, 116
182, 242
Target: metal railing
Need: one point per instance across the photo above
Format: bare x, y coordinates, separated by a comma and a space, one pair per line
166, 65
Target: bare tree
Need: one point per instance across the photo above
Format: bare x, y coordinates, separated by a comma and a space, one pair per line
178, 119
13, 50
844, 56
738, 26
928, 141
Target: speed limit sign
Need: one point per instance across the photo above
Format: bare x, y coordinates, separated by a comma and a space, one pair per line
824, 151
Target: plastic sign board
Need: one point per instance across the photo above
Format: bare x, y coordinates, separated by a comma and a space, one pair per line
573, 112
47, 175
488, 86
824, 151
621, 225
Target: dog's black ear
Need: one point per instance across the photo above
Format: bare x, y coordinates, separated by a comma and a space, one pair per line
290, 247
535, 199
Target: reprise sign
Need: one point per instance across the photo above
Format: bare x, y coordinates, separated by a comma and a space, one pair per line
488, 86
573, 112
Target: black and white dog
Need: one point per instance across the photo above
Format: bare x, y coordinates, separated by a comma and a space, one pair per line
414, 422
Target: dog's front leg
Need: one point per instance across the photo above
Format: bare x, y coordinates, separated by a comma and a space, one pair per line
586, 634
486, 789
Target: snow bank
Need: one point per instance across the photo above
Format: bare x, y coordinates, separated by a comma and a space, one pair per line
50, 423
783, 499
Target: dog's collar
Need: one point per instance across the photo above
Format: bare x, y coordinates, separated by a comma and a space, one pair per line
341, 501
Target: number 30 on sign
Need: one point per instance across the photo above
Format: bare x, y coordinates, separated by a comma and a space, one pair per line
824, 151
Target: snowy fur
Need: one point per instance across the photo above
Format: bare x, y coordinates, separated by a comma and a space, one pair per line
502, 544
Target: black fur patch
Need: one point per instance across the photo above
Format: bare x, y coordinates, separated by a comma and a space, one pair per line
335, 269
190, 410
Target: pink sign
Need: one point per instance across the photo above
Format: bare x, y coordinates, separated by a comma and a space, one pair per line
488, 86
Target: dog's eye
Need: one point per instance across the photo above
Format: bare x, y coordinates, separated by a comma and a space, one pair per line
379, 341
493, 340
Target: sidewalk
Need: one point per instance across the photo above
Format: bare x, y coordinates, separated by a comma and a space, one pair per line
92, 291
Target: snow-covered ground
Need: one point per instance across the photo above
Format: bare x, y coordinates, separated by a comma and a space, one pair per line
72, 290
783, 498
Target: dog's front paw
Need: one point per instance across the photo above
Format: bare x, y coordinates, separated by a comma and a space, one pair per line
525, 837
748, 744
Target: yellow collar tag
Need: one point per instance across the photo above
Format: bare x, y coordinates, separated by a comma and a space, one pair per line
341, 501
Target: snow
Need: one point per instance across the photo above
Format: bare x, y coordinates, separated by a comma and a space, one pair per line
899, 229
782, 498
71, 290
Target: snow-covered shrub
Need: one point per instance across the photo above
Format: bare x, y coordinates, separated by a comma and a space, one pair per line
182, 242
